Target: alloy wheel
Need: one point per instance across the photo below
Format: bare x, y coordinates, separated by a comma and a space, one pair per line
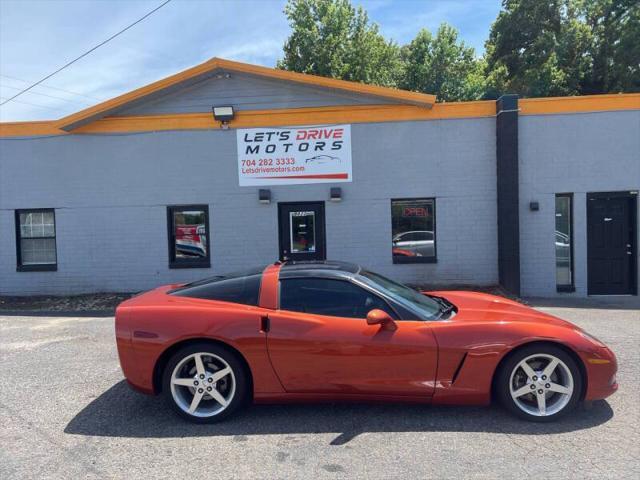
203, 384
541, 385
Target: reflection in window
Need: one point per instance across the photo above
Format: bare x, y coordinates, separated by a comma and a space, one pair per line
188, 236
563, 239
323, 296
36, 237
303, 232
413, 230
243, 289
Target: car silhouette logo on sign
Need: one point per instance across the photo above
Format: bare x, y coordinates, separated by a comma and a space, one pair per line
322, 159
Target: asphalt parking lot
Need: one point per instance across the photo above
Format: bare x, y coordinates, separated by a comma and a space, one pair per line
65, 412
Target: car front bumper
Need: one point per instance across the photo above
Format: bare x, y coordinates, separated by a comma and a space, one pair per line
601, 366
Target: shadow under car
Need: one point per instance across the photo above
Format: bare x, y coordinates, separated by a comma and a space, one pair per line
122, 412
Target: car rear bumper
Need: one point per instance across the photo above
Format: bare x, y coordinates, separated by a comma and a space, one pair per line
137, 370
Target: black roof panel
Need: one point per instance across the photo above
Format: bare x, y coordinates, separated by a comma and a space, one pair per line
313, 268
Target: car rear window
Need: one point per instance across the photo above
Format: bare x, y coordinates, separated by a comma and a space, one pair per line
243, 288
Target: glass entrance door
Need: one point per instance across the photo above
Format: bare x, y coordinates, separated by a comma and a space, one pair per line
302, 231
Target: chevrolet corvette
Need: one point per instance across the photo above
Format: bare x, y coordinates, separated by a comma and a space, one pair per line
333, 331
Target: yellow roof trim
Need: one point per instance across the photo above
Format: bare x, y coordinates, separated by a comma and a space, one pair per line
328, 114
103, 109
290, 117
585, 103
260, 118
28, 129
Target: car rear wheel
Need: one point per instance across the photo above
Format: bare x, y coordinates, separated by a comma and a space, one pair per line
204, 383
539, 383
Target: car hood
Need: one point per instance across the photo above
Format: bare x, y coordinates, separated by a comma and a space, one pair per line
476, 306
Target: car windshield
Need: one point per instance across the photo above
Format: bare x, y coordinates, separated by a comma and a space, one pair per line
408, 297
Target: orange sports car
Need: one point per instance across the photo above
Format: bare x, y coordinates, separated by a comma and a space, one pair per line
332, 331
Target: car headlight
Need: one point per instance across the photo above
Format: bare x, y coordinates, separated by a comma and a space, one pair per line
592, 339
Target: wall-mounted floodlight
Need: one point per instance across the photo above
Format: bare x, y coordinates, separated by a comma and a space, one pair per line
264, 195
223, 114
335, 194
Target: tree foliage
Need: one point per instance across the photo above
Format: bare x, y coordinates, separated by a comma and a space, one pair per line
333, 39
615, 45
565, 47
442, 64
535, 48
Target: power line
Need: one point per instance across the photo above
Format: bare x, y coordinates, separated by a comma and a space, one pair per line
87, 52
31, 104
52, 88
45, 95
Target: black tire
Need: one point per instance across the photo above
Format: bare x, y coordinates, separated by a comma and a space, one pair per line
240, 378
503, 378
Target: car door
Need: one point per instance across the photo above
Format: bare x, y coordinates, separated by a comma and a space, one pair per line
319, 342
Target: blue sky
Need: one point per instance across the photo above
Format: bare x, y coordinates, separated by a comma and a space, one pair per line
37, 37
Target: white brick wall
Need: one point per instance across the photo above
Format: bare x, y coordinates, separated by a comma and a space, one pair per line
110, 193
577, 153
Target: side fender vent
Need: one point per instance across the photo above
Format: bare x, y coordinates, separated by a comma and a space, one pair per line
457, 372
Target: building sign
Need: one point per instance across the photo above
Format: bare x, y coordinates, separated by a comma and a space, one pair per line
289, 156
415, 212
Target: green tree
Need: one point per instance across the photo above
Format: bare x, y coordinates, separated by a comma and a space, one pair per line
522, 46
333, 39
442, 65
543, 48
615, 45
536, 48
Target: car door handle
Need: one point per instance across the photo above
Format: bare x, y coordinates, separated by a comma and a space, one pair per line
265, 324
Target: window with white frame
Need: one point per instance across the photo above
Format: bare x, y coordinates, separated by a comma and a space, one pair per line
36, 239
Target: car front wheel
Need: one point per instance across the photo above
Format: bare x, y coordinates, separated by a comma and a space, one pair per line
204, 383
539, 383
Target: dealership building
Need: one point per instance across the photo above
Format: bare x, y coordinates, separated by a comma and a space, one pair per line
227, 166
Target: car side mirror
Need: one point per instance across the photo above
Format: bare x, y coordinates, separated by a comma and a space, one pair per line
382, 318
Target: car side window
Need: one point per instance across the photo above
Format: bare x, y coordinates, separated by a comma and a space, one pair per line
324, 296
241, 289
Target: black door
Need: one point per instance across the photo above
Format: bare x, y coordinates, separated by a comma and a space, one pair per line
302, 231
611, 249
